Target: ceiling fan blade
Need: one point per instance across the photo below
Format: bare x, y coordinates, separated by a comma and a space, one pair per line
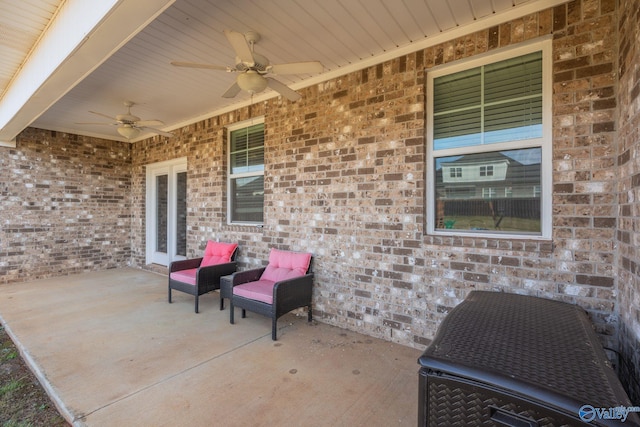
145, 123
206, 66
158, 131
309, 67
104, 115
240, 46
283, 89
233, 90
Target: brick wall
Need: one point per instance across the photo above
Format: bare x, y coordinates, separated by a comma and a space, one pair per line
628, 161
344, 180
585, 168
64, 205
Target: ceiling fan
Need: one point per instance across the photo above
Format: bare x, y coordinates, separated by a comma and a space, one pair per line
254, 68
129, 125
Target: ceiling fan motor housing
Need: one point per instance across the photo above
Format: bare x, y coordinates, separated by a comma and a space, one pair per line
127, 118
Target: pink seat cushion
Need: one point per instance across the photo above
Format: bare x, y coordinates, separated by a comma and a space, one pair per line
260, 290
185, 276
286, 265
217, 253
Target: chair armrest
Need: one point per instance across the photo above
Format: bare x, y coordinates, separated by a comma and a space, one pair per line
185, 264
214, 272
247, 276
292, 291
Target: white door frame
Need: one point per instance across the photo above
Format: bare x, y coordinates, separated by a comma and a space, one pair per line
170, 168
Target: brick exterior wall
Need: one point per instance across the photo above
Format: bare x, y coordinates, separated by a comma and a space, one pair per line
344, 180
628, 190
64, 205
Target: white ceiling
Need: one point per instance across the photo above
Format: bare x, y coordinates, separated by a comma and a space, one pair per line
124, 50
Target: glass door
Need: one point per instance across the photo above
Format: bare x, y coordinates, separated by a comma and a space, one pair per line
166, 216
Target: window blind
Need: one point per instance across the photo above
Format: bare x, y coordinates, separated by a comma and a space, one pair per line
247, 149
494, 103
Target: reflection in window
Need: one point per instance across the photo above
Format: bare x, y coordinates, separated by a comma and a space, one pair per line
162, 219
181, 214
247, 199
499, 191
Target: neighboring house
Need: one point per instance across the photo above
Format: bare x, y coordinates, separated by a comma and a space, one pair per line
488, 184
491, 176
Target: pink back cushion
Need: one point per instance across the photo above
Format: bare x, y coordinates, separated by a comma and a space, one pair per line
286, 265
217, 253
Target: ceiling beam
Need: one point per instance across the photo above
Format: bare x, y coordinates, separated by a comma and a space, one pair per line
80, 38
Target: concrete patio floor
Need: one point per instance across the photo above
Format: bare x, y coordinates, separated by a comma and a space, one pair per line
111, 351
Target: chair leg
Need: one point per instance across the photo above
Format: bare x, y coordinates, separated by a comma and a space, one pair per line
244, 313
196, 303
231, 310
221, 303
274, 328
309, 314
169, 294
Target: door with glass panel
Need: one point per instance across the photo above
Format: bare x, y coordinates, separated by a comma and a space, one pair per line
166, 212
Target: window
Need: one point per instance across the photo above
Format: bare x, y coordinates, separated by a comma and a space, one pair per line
488, 193
489, 144
246, 173
536, 191
486, 170
508, 192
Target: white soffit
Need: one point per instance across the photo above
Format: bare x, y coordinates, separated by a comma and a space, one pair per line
117, 57
80, 37
486, 21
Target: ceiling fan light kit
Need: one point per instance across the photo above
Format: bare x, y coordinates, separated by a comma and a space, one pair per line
130, 126
128, 131
254, 67
252, 82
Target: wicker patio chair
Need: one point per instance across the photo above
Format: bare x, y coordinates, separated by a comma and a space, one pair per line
283, 285
197, 276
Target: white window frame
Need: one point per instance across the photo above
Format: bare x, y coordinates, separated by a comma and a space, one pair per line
488, 192
486, 170
230, 176
508, 192
543, 45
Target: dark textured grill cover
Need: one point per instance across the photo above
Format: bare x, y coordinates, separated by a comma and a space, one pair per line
530, 356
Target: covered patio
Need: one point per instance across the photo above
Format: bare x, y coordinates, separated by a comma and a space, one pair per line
110, 350
395, 192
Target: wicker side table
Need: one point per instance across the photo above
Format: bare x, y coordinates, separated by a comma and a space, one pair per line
226, 289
